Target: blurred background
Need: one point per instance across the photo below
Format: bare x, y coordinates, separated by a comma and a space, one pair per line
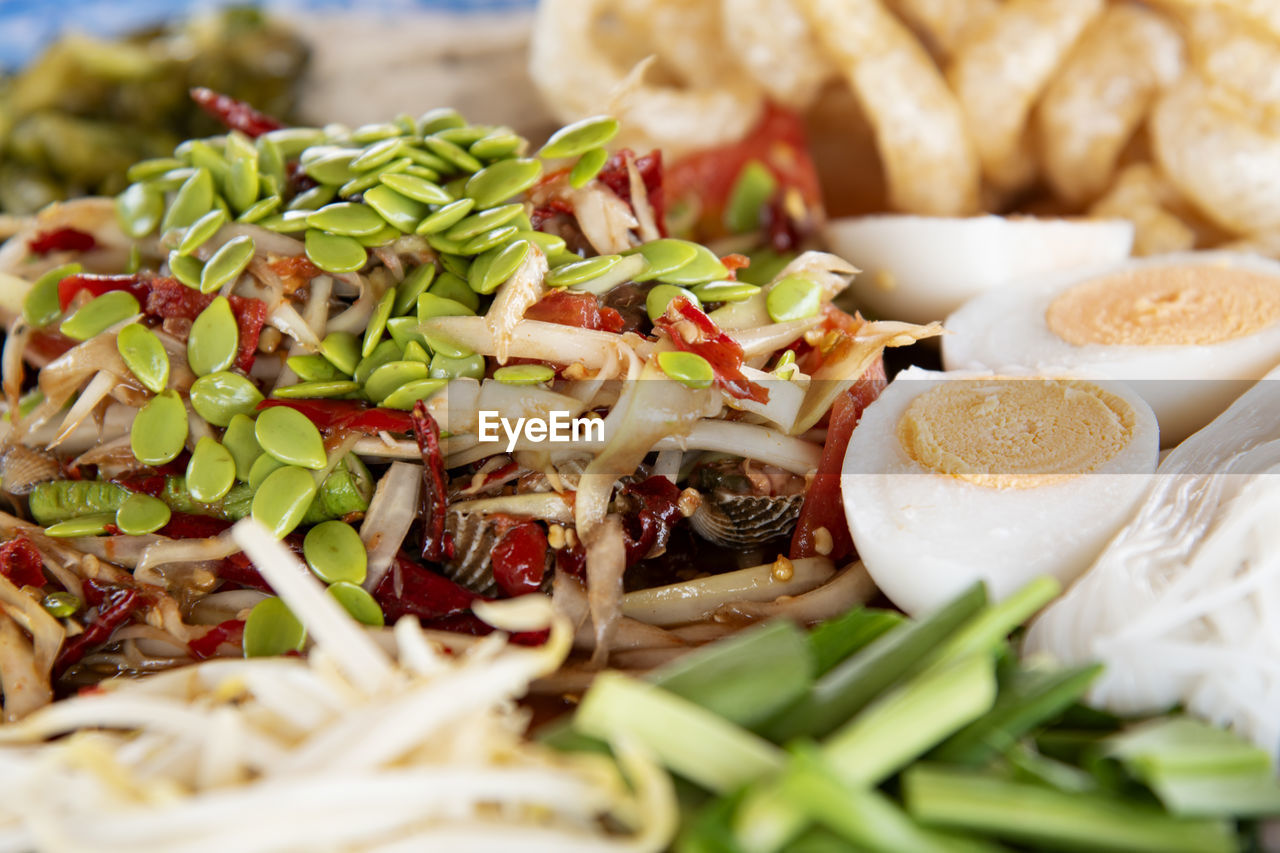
89, 86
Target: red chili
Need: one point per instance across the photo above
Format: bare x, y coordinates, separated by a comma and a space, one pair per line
823, 506
45, 345
183, 525
436, 544
520, 559
206, 646
617, 177
236, 115
61, 240
100, 284
115, 604
21, 563
722, 352
412, 589
575, 309
347, 415
649, 527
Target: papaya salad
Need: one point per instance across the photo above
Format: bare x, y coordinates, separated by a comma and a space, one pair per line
333, 331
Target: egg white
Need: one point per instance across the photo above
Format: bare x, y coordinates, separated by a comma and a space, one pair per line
1186, 386
925, 536
921, 268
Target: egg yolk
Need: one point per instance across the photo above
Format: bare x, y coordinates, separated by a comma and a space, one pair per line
1015, 433
1166, 306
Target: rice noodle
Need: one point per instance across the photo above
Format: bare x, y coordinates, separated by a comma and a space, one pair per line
1181, 606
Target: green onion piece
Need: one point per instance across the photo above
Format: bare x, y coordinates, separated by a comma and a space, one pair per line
836, 639
863, 817
988, 629
905, 723
1198, 770
691, 741
1026, 700
850, 686
746, 677
1043, 818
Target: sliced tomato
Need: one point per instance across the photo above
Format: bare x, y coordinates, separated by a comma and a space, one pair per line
823, 505
575, 309
705, 180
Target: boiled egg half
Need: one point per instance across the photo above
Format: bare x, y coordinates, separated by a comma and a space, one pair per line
952, 478
1190, 332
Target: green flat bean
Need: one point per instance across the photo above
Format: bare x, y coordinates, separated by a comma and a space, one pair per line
580, 137
61, 605
399, 210
241, 442
317, 389
451, 286
445, 217
342, 349
335, 253
793, 298
142, 514
347, 218
391, 376
502, 180
85, 525
314, 368
411, 392
497, 265
408, 290
485, 220
214, 339
377, 323
417, 188
416, 352
378, 154
41, 306
218, 397
211, 472
145, 356
194, 199
335, 553
666, 256
99, 314
271, 630
384, 352
687, 368
159, 429
291, 437
358, 603
284, 496
587, 167
139, 209
524, 374
226, 264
